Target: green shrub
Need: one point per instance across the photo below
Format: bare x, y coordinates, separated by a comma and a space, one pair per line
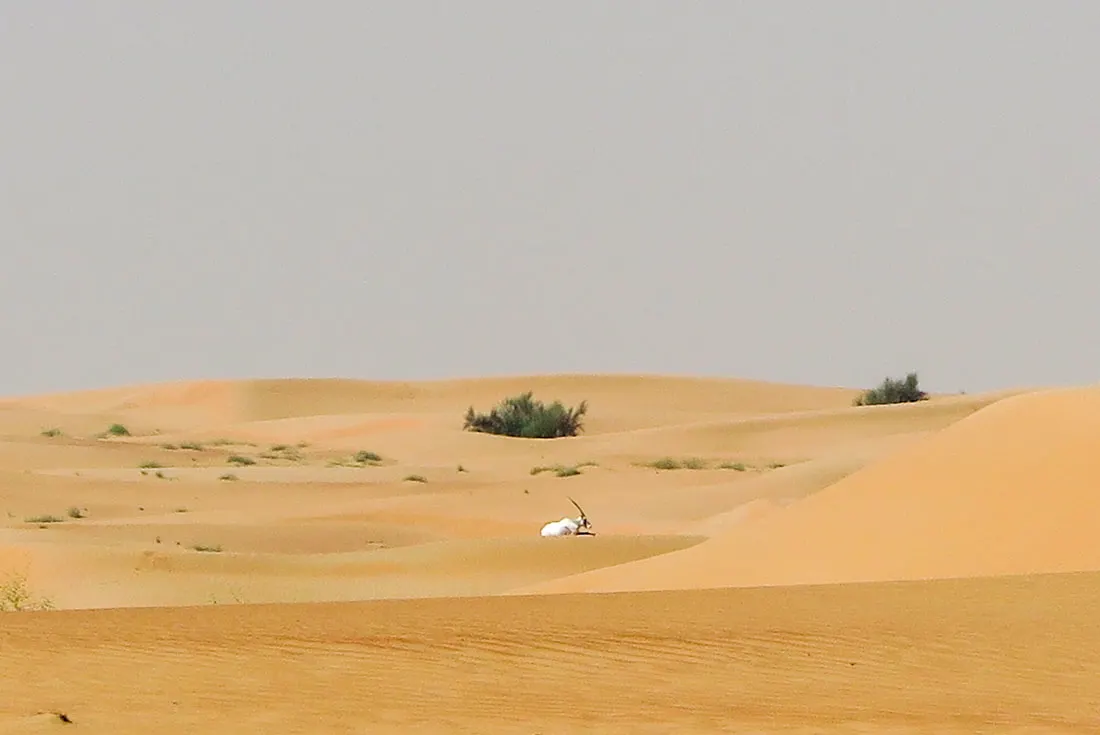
524, 416
118, 430
892, 390
240, 459
364, 457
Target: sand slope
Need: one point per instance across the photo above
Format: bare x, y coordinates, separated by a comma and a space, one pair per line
1010, 490
945, 657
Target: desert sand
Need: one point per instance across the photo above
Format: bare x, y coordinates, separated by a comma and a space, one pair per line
228, 564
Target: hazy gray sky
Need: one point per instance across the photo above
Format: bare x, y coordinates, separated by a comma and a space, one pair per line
798, 191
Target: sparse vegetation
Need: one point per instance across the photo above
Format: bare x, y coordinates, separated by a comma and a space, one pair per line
150, 465
52, 433
229, 477
240, 459
15, 596
892, 390
170, 447
42, 519
117, 430
223, 442
365, 457
562, 470
192, 446
282, 452
525, 417
738, 466
76, 513
205, 548
415, 478
670, 463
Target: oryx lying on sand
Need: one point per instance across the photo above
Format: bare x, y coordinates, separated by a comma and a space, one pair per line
569, 526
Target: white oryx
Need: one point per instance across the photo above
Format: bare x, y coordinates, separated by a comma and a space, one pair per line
569, 526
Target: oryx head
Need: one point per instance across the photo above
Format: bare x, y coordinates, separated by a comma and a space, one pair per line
583, 520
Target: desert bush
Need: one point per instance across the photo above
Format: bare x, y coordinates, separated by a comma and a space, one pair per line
562, 470
52, 433
671, 463
892, 390
240, 459
76, 513
415, 478
117, 430
364, 457
15, 596
524, 416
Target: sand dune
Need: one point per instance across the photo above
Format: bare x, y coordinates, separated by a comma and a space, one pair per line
1010, 490
263, 504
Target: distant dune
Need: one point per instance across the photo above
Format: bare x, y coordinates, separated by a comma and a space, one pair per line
278, 499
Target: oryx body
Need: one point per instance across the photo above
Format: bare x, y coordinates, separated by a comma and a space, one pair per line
569, 526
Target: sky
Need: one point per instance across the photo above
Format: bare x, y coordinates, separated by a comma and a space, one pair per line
817, 193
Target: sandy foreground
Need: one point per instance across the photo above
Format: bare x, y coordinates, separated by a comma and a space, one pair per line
916, 568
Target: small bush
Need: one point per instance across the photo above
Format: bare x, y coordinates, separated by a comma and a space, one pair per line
239, 459
365, 457
150, 466
208, 549
117, 430
562, 470
669, 463
76, 513
415, 478
14, 596
51, 433
523, 416
42, 519
892, 390
229, 477
192, 446
738, 466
